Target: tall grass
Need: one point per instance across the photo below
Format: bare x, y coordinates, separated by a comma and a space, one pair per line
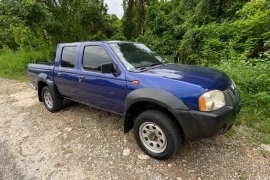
14, 63
253, 81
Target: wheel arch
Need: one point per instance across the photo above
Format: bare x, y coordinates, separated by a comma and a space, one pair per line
148, 99
43, 81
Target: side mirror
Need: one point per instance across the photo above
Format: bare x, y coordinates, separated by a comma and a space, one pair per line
107, 68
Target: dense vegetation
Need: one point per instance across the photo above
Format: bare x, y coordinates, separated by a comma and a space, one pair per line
232, 35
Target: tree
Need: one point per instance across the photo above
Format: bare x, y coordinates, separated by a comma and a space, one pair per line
134, 18
53, 21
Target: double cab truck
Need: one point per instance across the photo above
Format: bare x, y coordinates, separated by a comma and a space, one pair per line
163, 103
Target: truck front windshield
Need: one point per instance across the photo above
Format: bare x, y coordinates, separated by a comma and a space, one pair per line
135, 55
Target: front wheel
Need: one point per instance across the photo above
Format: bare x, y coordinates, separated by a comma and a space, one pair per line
52, 102
156, 134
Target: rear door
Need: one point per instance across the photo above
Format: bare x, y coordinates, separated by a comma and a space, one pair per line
106, 91
65, 71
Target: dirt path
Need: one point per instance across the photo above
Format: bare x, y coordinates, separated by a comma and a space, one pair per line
84, 143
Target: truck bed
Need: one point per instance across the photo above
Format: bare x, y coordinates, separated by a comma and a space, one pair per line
35, 69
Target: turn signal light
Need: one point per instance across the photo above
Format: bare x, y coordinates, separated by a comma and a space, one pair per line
136, 82
202, 103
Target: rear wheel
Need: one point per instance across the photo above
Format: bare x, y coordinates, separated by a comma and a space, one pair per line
157, 134
52, 102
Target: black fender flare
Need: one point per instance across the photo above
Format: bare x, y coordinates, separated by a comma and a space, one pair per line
157, 96
44, 78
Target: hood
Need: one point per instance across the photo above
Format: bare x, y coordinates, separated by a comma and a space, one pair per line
207, 78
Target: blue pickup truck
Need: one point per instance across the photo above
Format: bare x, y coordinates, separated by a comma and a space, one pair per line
163, 103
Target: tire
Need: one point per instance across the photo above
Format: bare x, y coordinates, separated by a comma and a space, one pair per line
52, 102
160, 125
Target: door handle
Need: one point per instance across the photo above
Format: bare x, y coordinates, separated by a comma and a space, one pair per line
81, 77
58, 73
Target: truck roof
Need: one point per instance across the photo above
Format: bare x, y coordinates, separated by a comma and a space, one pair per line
114, 41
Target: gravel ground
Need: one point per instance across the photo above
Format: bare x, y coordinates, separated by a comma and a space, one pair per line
80, 142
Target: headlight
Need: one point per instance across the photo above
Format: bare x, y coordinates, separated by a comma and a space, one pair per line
212, 100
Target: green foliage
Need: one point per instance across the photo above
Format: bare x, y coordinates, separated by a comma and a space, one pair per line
133, 19
206, 32
254, 84
34, 22
129, 22
15, 62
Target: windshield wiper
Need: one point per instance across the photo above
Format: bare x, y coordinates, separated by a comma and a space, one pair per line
145, 68
156, 64
142, 68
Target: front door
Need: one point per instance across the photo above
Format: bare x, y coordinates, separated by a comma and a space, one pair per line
106, 91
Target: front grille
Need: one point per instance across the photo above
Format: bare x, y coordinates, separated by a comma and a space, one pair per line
233, 92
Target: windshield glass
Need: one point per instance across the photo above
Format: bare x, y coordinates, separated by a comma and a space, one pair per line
135, 55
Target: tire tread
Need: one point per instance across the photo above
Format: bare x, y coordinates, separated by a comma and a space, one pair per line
57, 101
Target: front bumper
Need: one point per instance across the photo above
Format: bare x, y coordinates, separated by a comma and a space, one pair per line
197, 125
216, 123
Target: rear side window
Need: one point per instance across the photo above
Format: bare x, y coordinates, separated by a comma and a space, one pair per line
68, 57
94, 56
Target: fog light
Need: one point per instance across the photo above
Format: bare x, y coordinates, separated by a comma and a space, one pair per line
223, 128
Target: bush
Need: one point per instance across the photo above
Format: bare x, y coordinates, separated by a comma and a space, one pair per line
254, 84
15, 62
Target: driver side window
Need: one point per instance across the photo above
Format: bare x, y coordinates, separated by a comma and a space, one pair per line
93, 57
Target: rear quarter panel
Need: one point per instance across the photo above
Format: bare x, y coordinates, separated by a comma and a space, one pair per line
35, 69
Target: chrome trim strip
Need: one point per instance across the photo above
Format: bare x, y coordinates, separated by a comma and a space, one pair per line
33, 86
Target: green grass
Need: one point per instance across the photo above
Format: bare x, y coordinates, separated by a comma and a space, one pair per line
20, 77
13, 63
261, 137
253, 82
